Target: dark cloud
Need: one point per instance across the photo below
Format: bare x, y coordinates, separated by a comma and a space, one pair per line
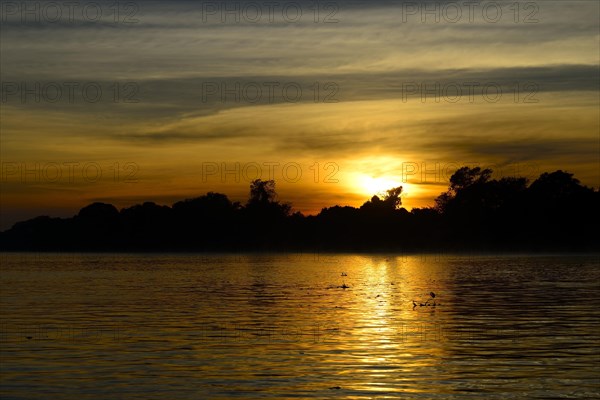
521, 149
208, 95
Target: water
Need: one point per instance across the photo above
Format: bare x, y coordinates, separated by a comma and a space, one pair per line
282, 326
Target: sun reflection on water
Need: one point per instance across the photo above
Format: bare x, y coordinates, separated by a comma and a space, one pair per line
279, 326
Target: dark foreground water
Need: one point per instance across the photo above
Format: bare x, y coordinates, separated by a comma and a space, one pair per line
284, 326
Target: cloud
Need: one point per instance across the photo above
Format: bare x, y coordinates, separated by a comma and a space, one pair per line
373, 54
367, 38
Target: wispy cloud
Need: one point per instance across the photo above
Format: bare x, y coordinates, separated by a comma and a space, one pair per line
393, 75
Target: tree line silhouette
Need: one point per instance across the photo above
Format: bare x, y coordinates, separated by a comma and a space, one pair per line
477, 213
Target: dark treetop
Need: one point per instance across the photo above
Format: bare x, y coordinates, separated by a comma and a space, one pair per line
476, 213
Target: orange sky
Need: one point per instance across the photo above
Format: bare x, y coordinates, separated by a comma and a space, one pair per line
334, 111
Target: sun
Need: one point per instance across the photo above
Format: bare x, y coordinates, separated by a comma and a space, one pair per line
370, 186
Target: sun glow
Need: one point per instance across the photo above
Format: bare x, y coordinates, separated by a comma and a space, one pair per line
378, 186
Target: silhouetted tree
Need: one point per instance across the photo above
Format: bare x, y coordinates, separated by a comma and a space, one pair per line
265, 218
262, 192
205, 221
97, 226
557, 186
145, 225
556, 212
559, 209
465, 177
390, 202
263, 200
392, 197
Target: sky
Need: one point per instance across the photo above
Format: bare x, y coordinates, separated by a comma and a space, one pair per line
165, 100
